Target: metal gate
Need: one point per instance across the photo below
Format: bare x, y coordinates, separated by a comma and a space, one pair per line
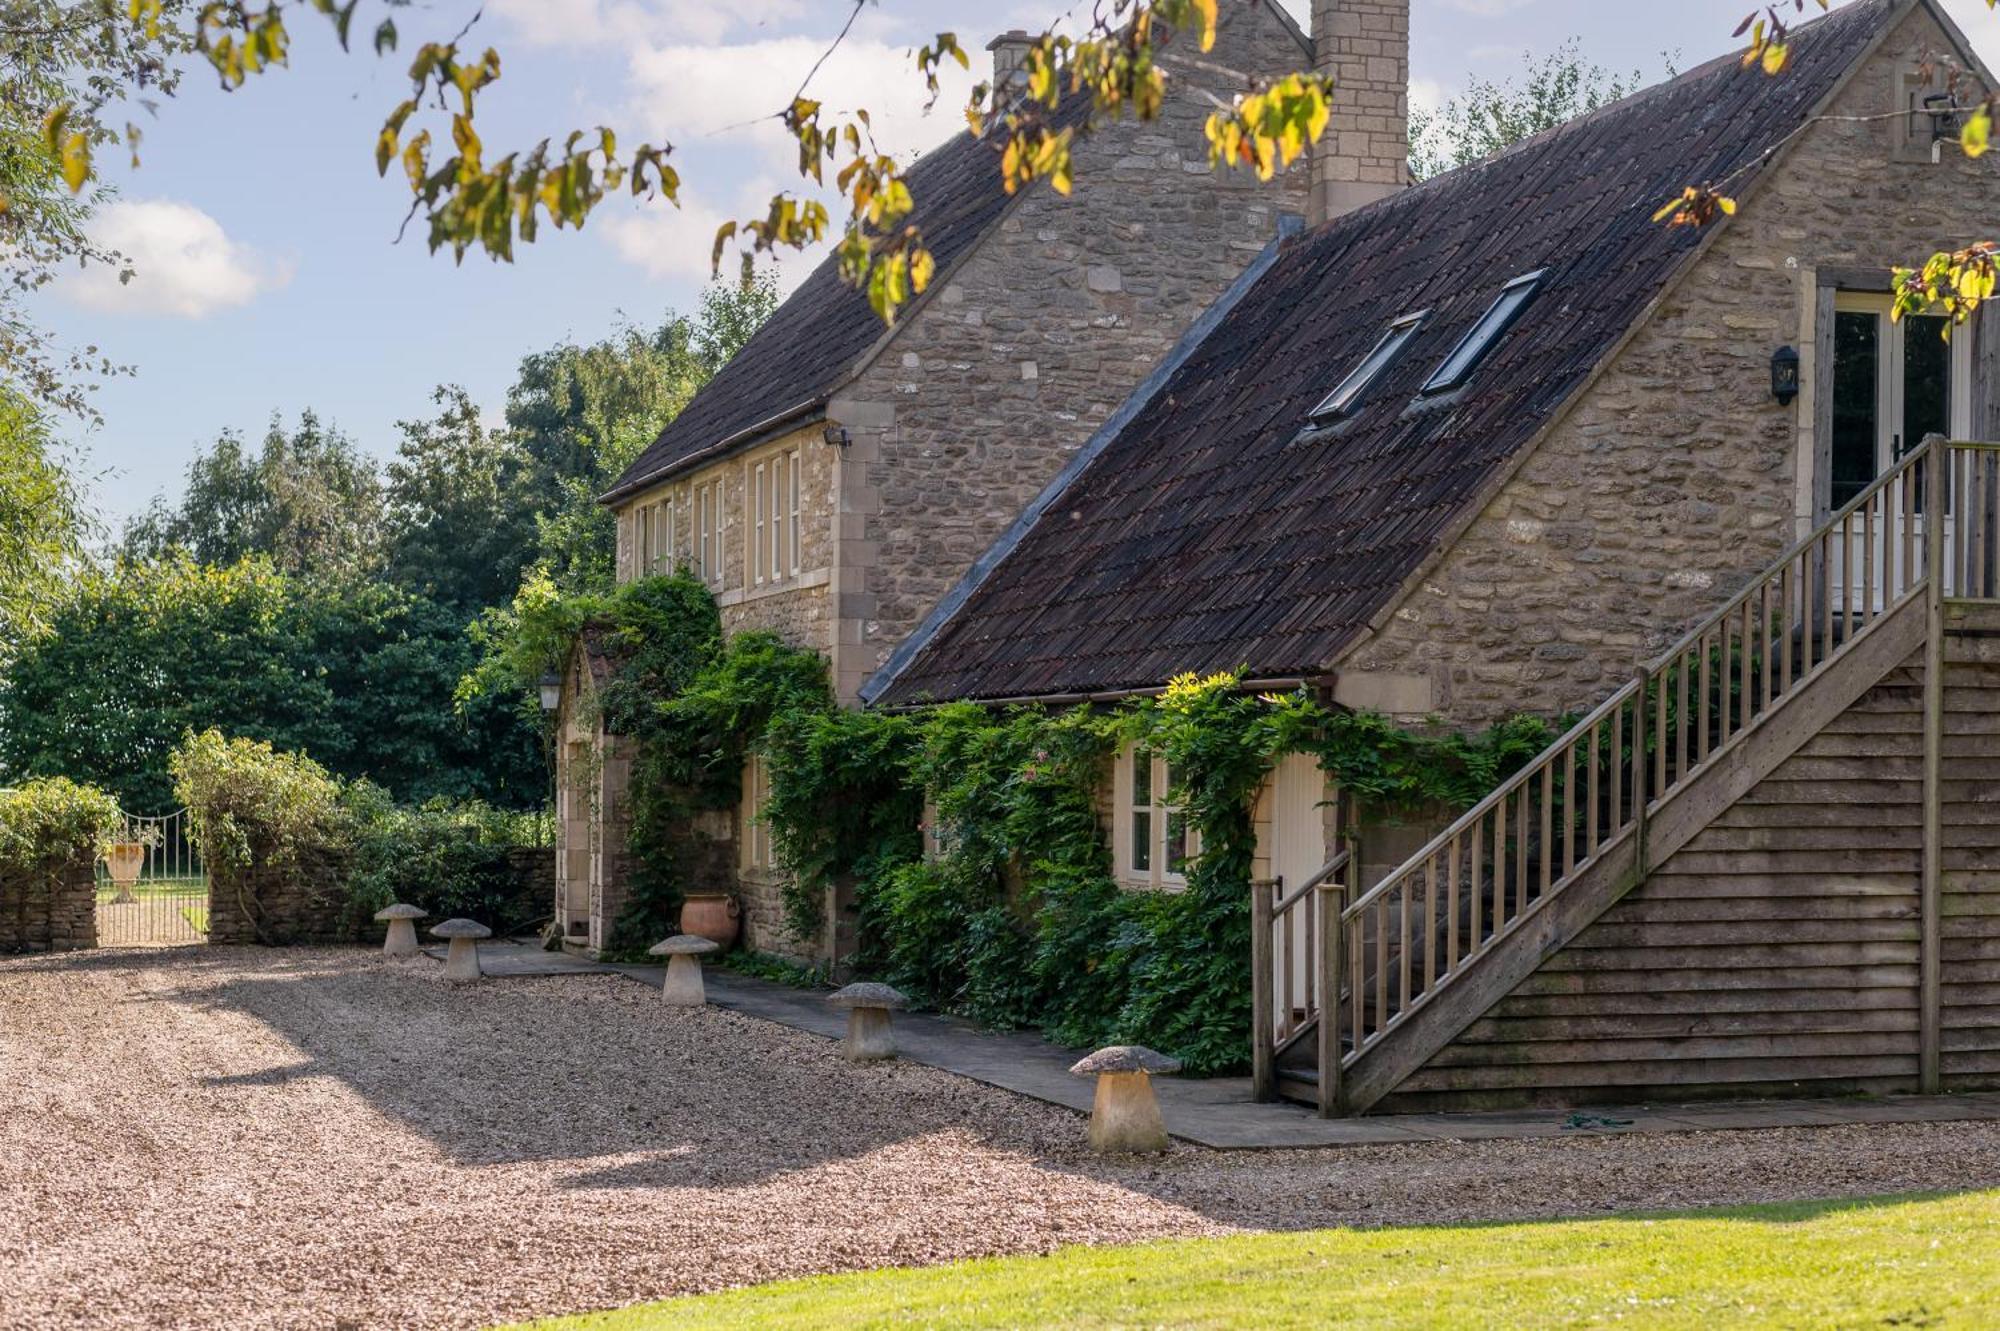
151, 887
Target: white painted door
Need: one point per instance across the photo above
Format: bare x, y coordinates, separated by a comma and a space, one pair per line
1298, 848
1894, 383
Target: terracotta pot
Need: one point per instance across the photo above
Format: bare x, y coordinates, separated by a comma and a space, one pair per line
714, 916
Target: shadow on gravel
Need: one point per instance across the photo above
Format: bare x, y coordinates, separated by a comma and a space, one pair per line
590, 1069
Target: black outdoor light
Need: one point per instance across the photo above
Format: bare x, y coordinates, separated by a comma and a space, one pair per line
835, 434
1784, 375
551, 692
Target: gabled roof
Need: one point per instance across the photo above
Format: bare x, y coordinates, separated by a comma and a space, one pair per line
806, 348
823, 331
1211, 531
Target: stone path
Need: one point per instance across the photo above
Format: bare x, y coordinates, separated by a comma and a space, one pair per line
1219, 1112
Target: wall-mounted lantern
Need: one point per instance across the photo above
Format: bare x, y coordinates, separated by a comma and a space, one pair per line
551, 685
1784, 375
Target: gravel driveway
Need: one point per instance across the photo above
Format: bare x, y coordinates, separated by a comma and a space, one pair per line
230, 1137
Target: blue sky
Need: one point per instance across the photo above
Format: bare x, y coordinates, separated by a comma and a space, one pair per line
269, 279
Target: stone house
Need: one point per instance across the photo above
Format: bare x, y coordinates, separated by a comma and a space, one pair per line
1489, 444
837, 478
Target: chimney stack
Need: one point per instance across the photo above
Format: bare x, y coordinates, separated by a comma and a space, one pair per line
1364, 46
1010, 57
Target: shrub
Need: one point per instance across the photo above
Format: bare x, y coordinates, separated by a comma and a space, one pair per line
47, 825
452, 859
270, 827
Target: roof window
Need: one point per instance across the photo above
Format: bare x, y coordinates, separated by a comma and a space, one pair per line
1479, 339
1345, 394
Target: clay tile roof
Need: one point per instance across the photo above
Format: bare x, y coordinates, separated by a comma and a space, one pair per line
1209, 533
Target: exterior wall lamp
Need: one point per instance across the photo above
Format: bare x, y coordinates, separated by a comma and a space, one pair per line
835, 435
551, 686
1785, 375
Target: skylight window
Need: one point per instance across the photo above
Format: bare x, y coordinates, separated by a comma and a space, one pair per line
1342, 399
1479, 340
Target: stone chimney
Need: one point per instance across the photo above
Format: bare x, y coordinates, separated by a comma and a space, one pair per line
1010, 57
1364, 46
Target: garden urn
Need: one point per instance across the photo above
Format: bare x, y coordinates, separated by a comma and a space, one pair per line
461, 959
869, 1036
1125, 1115
683, 986
402, 936
714, 916
125, 859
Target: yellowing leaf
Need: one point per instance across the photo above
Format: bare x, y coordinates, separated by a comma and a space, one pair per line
1977, 133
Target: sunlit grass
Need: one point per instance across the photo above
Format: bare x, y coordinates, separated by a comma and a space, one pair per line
1901, 1262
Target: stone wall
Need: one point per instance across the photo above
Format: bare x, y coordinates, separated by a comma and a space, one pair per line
1006, 370
792, 605
281, 907
1364, 45
37, 915
1677, 477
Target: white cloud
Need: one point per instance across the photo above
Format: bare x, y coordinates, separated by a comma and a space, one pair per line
727, 95
183, 263
593, 22
674, 244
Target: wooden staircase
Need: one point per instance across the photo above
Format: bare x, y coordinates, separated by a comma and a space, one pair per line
1766, 864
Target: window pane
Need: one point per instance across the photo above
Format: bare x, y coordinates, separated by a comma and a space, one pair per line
1142, 840
1926, 380
1142, 779
1177, 841
1476, 343
1343, 398
1857, 347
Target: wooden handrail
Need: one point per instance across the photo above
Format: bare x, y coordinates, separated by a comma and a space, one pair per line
1479, 878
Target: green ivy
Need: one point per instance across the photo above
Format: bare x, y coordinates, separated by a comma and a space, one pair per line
1014, 919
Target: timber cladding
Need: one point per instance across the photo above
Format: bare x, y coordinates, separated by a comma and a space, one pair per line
1970, 914
1777, 952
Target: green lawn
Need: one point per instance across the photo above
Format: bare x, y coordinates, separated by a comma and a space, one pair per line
1888, 1262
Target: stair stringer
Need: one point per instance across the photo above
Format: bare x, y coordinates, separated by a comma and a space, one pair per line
1552, 922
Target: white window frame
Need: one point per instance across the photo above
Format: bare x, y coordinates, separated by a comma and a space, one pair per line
792, 520
707, 503
758, 560
1143, 828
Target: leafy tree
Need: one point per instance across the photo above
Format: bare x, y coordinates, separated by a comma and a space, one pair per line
41, 233
309, 499
1489, 116
360, 675
582, 414
459, 517
40, 523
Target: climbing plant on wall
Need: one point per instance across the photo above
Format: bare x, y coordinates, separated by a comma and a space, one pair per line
972, 837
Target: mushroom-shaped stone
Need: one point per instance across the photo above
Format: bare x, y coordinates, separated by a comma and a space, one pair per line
868, 1007
461, 959
402, 939
684, 952
1125, 1116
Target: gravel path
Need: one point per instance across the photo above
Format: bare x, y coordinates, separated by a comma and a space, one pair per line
228, 1137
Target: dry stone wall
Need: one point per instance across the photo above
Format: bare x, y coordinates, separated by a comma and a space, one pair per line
40, 915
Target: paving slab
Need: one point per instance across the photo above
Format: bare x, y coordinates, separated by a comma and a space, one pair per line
1219, 1112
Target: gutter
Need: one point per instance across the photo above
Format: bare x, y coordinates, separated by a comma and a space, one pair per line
769, 425
1149, 388
1285, 684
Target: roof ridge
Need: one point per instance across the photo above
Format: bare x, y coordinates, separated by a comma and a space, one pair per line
1630, 101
